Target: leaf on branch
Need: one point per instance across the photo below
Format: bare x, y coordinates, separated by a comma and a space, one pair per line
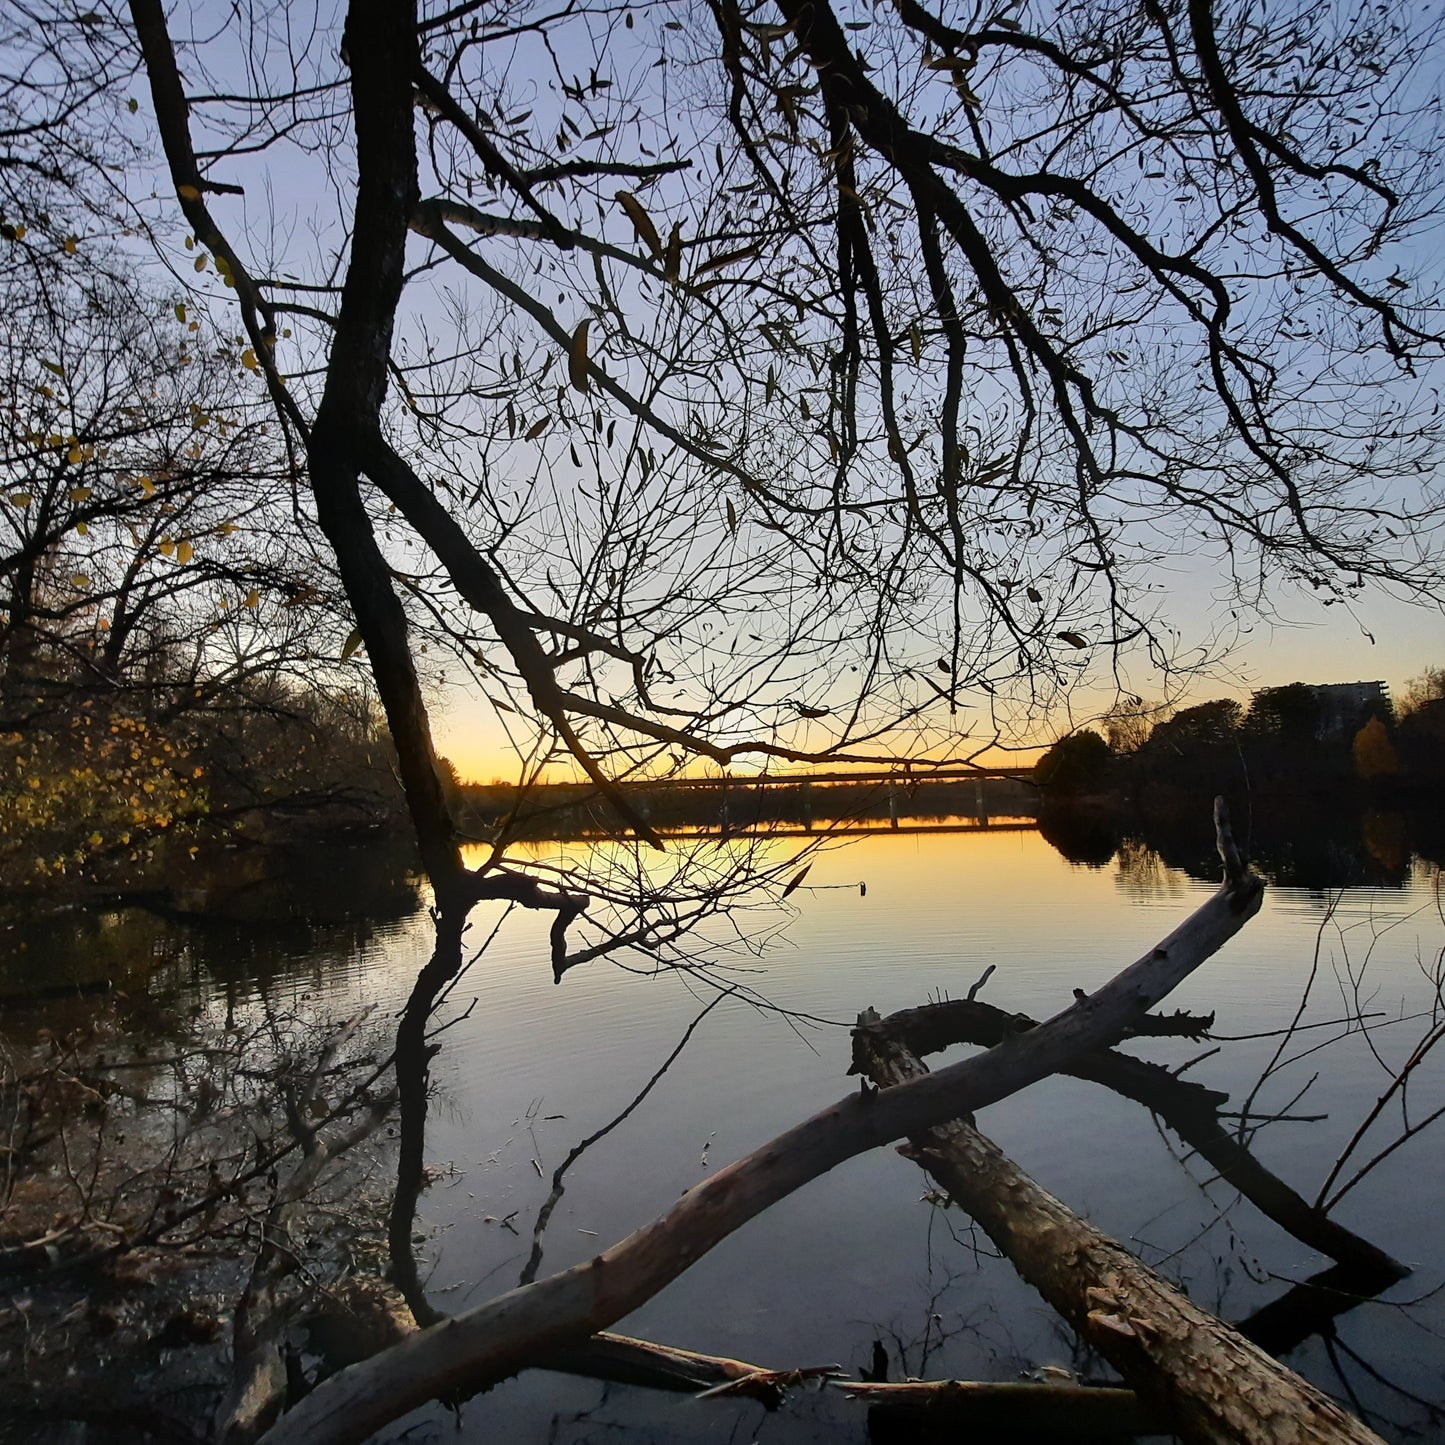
577, 358
797, 880
732, 515
184, 552
1072, 638
187, 192
253, 599
641, 222
672, 257
538, 427
353, 642
727, 258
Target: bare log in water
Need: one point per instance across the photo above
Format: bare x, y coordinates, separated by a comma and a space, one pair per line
1056, 1409
1188, 1109
1204, 1377
507, 1333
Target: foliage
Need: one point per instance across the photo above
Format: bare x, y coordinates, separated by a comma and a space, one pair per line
1419, 693
1075, 763
1204, 724
85, 797
1374, 752
1286, 714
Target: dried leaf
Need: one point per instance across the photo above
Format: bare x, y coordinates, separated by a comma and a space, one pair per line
538, 427
797, 880
577, 358
1072, 638
672, 257
353, 641
732, 515
641, 222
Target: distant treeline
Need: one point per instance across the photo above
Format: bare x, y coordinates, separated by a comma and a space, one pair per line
576, 811
1295, 740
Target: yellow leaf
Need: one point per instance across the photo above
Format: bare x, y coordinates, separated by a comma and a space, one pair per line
132, 105
53, 367
80, 580
70, 245
180, 311
577, 358
353, 641
253, 598
80, 494
20, 499
167, 547
248, 359
201, 262
188, 192
81, 528
184, 552
74, 456
148, 487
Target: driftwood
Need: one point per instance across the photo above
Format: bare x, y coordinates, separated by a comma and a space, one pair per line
1203, 1376
505, 1334
1056, 1409
363, 1316
1189, 1110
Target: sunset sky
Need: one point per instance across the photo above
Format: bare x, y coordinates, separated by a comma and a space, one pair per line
1304, 643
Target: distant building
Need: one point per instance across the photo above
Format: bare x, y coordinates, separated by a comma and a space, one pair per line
1346, 706
1342, 708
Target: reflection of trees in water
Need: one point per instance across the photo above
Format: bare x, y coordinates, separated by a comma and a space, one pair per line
1139, 869
1301, 847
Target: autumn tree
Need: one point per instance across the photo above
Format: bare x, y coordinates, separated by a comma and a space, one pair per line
792, 381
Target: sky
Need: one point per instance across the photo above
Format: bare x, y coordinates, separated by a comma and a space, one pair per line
1385, 639
1300, 641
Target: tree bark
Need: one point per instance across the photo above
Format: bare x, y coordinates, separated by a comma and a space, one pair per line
1213, 1385
1190, 1110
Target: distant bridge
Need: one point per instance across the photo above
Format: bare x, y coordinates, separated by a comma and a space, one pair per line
907, 774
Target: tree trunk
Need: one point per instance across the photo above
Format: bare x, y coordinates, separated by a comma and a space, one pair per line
1202, 1375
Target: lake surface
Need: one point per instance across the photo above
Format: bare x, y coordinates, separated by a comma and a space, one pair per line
865, 1254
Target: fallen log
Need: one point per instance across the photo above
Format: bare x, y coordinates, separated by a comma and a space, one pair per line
498, 1338
1189, 1110
1212, 1384
363, 1316
1061, 1409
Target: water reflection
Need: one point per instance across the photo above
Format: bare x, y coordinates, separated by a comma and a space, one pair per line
1303, 847
532, 1071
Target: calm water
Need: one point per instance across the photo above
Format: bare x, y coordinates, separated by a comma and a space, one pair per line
861, 1255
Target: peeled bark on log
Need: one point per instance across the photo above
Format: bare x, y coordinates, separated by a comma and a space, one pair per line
1064, 1409
1208, 1380
505, 1334
1188, 1109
